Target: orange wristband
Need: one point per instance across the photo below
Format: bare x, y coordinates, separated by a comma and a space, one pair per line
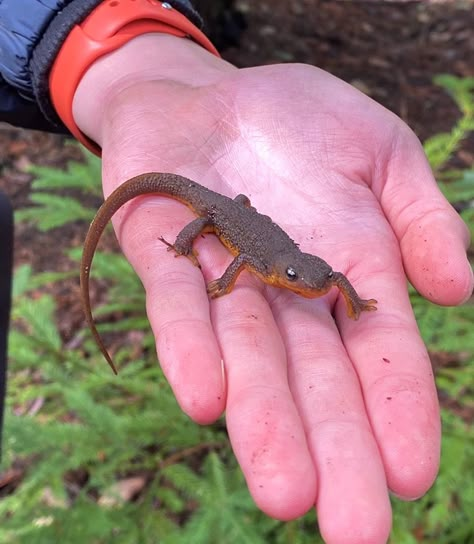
111, 25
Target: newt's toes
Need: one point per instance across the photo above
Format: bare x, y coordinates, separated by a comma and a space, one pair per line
364, 306
214, 289
369, 305
170, 247
357, 307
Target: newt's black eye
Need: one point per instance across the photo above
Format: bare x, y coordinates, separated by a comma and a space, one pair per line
291, 274
330, 274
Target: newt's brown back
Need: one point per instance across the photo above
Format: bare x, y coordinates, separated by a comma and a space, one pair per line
258, 244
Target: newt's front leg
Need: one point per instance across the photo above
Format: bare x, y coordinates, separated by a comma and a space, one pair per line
224, 284
355, 304
184, 241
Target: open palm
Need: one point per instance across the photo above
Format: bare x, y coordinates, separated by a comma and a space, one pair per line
321, 410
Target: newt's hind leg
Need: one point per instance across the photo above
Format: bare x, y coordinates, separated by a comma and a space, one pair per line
183, 244
244, 200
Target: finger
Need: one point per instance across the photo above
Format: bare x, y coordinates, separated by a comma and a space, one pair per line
396, 379
352, 503
433, 238
264, 426
177, 305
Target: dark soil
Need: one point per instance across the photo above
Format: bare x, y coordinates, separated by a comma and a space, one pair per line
389, 50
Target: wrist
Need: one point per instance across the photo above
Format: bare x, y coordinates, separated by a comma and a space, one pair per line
151, 57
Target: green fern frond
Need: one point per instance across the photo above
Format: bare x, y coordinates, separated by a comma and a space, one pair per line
461, 189
54, 211
84, 176
462, 91
218, 518
441, 147
25, 281
38, 318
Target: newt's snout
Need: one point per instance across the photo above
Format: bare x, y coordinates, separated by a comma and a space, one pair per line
311, 277
303, 273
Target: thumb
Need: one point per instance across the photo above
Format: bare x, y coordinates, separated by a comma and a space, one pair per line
433, 238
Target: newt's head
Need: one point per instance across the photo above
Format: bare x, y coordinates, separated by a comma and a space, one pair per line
303, 273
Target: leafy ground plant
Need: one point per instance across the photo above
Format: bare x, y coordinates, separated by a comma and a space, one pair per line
90, 457
444, 515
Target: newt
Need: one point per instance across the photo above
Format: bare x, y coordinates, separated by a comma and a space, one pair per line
257, 243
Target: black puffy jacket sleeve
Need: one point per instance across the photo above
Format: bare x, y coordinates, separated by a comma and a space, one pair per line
31, 35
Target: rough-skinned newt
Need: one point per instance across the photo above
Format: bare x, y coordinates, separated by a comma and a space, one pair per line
257, 243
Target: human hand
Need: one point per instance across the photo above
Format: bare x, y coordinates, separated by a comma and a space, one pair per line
321, 410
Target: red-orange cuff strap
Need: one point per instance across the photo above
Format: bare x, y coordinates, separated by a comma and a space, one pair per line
111, 25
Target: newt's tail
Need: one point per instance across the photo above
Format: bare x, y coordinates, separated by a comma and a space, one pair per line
171, 185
